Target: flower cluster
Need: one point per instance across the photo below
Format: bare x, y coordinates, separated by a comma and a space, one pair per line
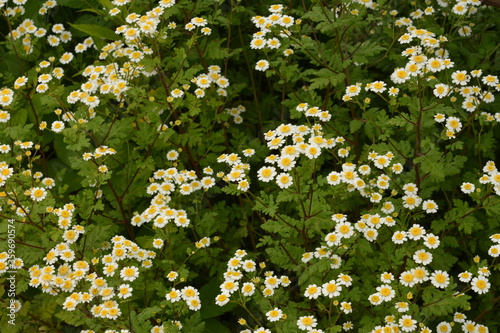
188, 294
63, 273
239, 170
236, 113
204, 81
276, 21
163, 184
240, 270
293, 142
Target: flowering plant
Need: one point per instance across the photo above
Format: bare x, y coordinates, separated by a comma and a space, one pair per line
213, 166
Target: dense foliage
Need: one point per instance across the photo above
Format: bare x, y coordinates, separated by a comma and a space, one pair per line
249, 166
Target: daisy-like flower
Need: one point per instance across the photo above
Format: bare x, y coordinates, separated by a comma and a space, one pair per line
400, 75
440, 279
453, 124
386, 292
188, 293
467, 188
157, 243
393, 91
194, 304
257, 43
258, 330
439, 118
172, 155
353, 90
66, 58
411, 201
38, 194
229, 287
416, 232
431, 241
262, 65
344, 229
469, 326
386, 277
331, 289
429, 206
57, 126
274, 315
441, 90
460, 78
465, 276
459, 317
284, 180
375, 299
334, 178
129, 273
222, 299
410, 188
480, 284
443, 327
20, 82
407, 323
402, 306
494, 251
286, 163
378, 86
399, 237
346, 307
176, 93
248, 289
312, 291
306, 323
460, 8
407, 279
422, 257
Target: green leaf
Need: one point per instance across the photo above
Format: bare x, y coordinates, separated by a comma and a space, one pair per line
355, 125
94, 30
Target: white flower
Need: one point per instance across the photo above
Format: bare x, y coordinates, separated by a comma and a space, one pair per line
38, 194
411, 201
460, 78
441, 90
407, 323
331, 289
222, 299
176, 93
399, 237
129, 273
306, 323
422, 257
440, 279
172, 155
431, 241
386, 292
248, 289
66, 58
274, 315
467, 188
312, 291
346, 307
57, 126
284, 180
262, 65
494, 250
429, 206
480, 284
125, 291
